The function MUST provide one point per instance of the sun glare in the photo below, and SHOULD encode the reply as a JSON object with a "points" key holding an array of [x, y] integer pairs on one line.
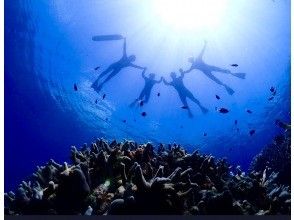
{"points": [[190, 14]]}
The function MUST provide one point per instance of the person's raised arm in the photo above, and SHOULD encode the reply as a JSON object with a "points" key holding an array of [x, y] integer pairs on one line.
{"points": [[165, 82], [202, 51], [159, 81], [137, 67], [182, 72], [125, 48], [187, 71], [143, 73]]}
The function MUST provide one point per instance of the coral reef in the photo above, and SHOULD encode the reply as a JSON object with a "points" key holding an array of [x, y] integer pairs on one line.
{"points": [[277, 157], [129, 178]]}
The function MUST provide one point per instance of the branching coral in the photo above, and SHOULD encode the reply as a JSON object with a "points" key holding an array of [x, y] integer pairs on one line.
{"points": [[129, 178]]}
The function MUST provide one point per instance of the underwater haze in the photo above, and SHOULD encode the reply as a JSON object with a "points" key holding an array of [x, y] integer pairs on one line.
{"points": [[50, 61]]}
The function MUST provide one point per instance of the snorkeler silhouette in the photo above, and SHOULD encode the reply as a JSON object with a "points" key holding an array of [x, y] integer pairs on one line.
{"points": [[183, 92], [115, 68], [149, 83], [199, 64]]}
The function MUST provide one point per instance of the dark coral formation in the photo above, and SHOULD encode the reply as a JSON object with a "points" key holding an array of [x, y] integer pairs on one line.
{"points": [[128, 178], [277, 156]]}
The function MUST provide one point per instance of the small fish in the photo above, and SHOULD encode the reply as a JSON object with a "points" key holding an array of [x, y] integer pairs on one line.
{"points": [[141, 103], [106, 119], [75, 87], [204, 134], [222, 110], [96, 68], [181, 126], [270, 98], [96, 101], [252, 132], [158, 94], [236, 122], [104, 95], [238, 130], [135, 120], [184, 107], [143, 114], [249, 111], [124, 121], [273, 91], [217, 97], [234, 65]]}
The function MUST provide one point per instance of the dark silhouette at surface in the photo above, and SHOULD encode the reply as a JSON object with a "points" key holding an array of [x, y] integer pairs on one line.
{"points": [[199, 64], [146, 91], [183, 92], [115, 68]]}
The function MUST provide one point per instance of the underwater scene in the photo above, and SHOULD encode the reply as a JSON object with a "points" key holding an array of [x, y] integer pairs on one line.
{"points": [[138, 107]]}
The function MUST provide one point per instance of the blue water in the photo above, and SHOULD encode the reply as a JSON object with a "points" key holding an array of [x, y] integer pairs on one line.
{"points": [[49, 47]]}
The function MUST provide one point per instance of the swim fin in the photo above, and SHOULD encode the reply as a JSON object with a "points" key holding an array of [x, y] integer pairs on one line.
{"points": [[229, 90], [133, 103], [239, 75], [204, 110], [97, 87], [190, 115], [107, 37]]}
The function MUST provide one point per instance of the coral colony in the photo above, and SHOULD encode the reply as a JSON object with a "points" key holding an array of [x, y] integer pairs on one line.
{"points": [[131, 178]]}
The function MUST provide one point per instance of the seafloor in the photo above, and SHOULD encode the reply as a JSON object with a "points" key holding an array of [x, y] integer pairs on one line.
{"points": [[128, 178]]}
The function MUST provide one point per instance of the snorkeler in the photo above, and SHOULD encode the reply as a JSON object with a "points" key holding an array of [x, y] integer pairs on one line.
{"points": [[183, 92], [149, 83], [199, 64], [115, 68]]}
